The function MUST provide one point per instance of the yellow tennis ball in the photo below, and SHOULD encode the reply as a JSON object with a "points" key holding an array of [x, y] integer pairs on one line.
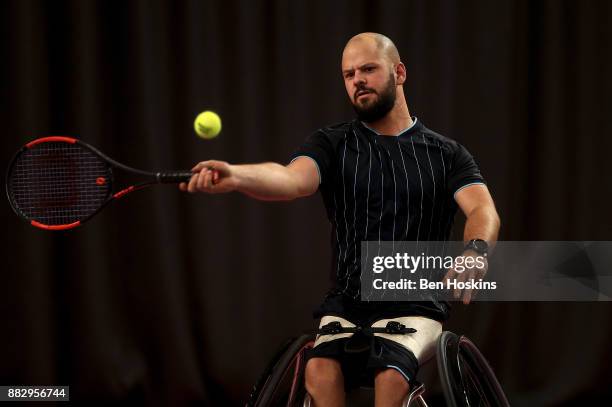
{"points": [[207, 125]]}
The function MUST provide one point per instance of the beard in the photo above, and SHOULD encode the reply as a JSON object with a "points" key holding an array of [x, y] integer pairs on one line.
{"points": [[377, 109]]}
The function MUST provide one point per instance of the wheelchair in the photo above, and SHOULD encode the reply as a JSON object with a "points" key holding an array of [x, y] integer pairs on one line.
{"points": [[465, 375]]}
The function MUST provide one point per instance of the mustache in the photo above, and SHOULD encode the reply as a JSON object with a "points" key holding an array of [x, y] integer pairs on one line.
{"points": [[362, 89]]}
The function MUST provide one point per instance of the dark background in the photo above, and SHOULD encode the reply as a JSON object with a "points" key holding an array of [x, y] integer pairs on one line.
{"points": [[167, 297]]}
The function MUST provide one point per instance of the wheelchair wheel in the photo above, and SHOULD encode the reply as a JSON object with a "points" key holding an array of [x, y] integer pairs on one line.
{"points": [[467, 379], [282, 383]]}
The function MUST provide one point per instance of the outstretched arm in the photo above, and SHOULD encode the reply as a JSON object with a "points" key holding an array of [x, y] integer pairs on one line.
{"points": [[266, 181]]}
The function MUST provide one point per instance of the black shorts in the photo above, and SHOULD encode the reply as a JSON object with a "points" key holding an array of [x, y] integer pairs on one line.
{"points": [[362, 356]]}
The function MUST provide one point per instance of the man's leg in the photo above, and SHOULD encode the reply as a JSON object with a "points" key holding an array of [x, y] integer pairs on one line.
{"points": [[324, 382], [390, 388], [405, 353]]}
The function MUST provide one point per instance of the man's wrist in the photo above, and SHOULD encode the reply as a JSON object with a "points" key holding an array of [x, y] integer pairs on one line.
{"points": [[471, 254], [237, 173]]}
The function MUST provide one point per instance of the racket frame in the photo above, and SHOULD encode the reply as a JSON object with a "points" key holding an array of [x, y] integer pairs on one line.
{"points": [[154, 178]]}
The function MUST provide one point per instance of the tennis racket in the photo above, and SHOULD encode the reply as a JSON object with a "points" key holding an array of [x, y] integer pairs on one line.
{"points": [[57, 183]]}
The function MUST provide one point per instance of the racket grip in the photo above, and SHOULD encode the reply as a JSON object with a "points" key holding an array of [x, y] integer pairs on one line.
{"points": [[173, 177]]}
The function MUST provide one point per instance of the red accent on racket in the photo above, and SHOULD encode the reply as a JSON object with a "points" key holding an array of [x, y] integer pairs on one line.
{"points": [[55, 227], [57, 183], [49, 139]]}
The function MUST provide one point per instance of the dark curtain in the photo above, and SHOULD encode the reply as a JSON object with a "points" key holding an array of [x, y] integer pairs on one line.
{"points": [[166, 298]]}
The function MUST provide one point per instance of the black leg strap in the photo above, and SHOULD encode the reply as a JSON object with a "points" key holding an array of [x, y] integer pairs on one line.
{"points": [[393, 327]]}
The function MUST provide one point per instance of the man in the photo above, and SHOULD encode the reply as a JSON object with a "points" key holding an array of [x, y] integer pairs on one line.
{"points": [[383, 177]]}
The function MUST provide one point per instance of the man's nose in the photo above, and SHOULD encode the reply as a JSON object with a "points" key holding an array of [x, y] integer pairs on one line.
{"points": [[358, 79]]}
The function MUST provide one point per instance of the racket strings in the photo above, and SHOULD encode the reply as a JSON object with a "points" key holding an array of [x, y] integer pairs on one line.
{"points": [[57, 183]]}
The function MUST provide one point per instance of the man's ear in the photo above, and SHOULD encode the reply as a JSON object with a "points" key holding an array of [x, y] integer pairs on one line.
{"points": [[400, 73]]}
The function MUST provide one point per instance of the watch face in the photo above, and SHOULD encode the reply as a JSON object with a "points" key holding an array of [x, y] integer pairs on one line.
{"points": [[480, 246]]}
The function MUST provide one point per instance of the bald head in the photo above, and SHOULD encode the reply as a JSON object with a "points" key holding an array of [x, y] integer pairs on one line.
{"points": [[373, 76], [374, 41]]}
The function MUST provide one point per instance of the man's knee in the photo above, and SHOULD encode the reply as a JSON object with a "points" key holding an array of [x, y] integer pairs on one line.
{"points": [[322, 373], [392, 379]]}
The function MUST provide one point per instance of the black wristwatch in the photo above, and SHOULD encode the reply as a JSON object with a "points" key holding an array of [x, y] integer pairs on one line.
{"points": [[478, 245]]}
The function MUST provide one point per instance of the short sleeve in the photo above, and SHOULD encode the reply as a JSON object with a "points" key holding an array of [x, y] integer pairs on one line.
{"points": [[463, 171], [319, 148]]}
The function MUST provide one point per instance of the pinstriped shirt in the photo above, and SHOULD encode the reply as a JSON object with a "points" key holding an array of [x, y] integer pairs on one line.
{"points": [[385, 188]]}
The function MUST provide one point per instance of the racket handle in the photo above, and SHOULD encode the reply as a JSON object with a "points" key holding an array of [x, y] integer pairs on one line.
{"points": [[173, 177]]}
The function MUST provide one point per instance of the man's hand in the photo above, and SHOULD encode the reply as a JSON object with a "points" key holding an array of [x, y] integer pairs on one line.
{"points": [[212, 177], [473, 269]]}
